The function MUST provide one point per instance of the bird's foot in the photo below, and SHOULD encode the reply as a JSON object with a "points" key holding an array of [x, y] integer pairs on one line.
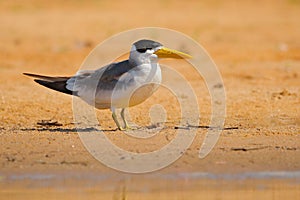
{"points": [[127, 128], [122, 129]]}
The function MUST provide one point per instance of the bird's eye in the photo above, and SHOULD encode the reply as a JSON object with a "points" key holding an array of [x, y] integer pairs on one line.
{"points": [[143, 50]]}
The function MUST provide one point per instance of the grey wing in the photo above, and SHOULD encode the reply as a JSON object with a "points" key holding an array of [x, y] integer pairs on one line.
{"points": [[86, 83], [113, 73]]}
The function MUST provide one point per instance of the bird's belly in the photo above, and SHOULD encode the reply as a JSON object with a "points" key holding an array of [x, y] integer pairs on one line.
{"points": [[125, 98], [142, 93]]}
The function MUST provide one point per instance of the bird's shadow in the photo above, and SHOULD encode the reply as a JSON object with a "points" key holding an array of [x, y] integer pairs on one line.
{"points": [[68, 130], [93, 129]]}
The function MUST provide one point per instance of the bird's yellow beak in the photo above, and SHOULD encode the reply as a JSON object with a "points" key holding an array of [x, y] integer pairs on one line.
{"points": [[170, 53]]}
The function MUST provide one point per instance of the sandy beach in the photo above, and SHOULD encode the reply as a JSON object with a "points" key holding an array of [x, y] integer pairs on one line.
{"points": [[256, 48]]}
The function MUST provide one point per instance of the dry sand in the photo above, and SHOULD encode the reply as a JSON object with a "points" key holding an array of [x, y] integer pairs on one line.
{"points": [[256, 47]]}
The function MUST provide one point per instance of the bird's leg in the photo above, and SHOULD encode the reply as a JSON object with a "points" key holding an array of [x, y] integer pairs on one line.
{"points": [[114, 116], [124, 120]]}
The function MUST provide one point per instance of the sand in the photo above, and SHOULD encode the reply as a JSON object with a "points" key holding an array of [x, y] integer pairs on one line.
{"points": [[256, 48]]}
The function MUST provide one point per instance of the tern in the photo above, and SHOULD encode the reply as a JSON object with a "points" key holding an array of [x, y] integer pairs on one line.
{"points": [[118, 85]]}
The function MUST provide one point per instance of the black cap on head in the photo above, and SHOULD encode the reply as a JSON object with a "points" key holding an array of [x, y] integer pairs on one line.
{"points": [[144, 45]]}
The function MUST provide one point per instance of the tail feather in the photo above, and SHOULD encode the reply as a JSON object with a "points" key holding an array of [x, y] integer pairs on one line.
{"points": [[47, 78], [54, 83]]}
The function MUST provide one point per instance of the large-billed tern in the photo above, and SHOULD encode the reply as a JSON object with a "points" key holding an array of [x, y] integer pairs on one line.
{"points": [[120, 84]]}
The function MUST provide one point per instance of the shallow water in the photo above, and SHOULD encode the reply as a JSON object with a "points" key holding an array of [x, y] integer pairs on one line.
{"points": [[187, 185], [175, 176], [71, 179]]}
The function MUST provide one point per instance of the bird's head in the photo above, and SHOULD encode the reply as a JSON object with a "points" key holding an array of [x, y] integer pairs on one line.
{"points": [[146, 51]]}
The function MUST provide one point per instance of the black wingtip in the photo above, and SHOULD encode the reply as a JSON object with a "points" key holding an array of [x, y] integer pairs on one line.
{"points": [[59, 86], [25, 73]]}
